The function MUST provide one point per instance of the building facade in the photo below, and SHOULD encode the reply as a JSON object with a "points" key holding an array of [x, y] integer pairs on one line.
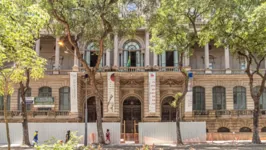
{"points": [[136, 85]]}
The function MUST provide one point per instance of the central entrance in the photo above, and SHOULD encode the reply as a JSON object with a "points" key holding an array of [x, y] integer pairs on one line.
{"points": [[131, 117]]}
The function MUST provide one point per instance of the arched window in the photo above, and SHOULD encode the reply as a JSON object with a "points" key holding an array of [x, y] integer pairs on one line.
{"points": [[218, 96], [262, 97], [168, 112], [132, 56], [223, 129], [27, 94], [239, 97], [2, 105], [245, 129], [45, 92], [263, 129], [64, 98], [198, 98]]}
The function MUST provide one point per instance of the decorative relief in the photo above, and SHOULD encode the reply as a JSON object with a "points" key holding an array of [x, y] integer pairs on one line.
{"points": [[171, 82], [223, 123], [131, 82]]}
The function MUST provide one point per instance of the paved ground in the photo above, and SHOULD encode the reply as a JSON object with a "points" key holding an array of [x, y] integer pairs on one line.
{"points": [[224, 146]]}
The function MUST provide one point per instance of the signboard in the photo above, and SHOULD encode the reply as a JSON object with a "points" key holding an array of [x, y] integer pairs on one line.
{"points": [[29, 100], [110, 92], [152, 92], [189, 95], [74, 91], [44, 101]]}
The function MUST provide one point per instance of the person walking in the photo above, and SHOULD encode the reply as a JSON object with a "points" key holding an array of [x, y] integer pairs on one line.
{"points": [[35, 138], [108, 141], [67, 136]]}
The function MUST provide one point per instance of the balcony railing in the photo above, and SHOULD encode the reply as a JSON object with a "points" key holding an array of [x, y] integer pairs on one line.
{"points": [[38, 113], [221, 113], [147, 69]]}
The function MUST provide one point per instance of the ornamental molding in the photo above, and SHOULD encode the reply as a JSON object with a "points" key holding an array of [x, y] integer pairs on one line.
{"points": [[170, 82], [131, 82]]}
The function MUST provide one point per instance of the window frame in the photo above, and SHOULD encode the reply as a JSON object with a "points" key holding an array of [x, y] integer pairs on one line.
{"points": [[219, 91], [242, 91], [61, 98], [199, 100]]}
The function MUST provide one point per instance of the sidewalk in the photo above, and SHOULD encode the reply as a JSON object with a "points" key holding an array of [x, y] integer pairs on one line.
{"points": [[228, 145]]}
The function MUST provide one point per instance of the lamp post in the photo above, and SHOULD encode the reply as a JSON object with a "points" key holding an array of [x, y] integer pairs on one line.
{"points": [[86, 112]]}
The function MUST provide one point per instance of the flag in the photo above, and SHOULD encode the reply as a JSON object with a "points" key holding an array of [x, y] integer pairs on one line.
{"points": [[129, 62]]}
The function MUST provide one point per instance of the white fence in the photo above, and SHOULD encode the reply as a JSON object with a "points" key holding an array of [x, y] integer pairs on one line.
{"points": [[57, 130], [165, 132]]}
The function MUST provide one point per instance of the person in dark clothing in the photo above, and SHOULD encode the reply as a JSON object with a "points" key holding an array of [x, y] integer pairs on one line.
{"points": [[35, 138], [67, 136]]}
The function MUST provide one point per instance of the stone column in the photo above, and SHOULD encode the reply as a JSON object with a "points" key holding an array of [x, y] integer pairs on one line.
{"points": [[164, 59], [155, 59], [56, 67], [227, 57], [108, 63], [147, 50], [186, 59], [206, 59], [116, 64], [125, 56], [76, 61], [38, 46]]}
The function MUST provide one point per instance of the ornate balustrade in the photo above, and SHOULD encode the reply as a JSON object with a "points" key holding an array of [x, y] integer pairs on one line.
{"points": [[228, 113], [146, 69], [37, 113]]}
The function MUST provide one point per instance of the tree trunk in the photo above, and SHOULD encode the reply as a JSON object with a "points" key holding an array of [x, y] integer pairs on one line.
{"points": [[5, 114], [98, 109], [26, 140], [178, 131], [256, 136]]}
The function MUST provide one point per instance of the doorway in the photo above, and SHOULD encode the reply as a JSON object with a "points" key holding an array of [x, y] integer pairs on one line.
{"points": [[168, 112], [92, 115], [131, 118]]}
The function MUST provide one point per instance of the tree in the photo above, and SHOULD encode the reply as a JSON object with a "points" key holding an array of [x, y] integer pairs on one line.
{"points": [[20, 23], [83, 22], [240, 25], [174, 27]]}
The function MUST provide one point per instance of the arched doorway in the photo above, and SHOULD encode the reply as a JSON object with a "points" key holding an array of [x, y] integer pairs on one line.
{"points": [[92, 109], [131, 113], [168, 112]]}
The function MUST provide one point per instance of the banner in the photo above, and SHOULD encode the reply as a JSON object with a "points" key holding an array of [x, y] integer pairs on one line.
{"points": [[110, 92], [152, 92], [74, 91], [189, 95]]}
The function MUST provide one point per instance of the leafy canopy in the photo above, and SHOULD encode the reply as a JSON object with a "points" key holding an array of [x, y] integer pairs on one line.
{"points": [[174, 26], [20, 23]]}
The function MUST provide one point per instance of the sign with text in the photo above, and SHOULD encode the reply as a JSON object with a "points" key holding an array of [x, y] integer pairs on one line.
{"points": [[110, 92], [74, 91], [152, 92]]}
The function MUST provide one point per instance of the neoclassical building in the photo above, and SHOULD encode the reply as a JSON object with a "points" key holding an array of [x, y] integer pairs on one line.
{"points": [[136, 85]]}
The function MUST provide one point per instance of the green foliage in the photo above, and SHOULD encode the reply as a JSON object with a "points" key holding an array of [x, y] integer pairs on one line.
{"points": [[174, 24], [20, 24], [54, 144], [238, 24], [91, 20]]}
